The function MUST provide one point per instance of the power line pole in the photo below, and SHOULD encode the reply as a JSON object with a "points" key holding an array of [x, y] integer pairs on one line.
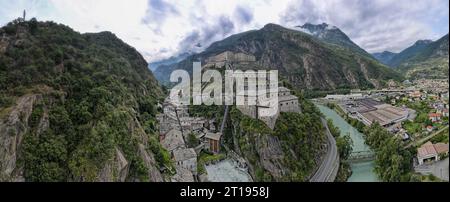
{"points": [[24, 14]]}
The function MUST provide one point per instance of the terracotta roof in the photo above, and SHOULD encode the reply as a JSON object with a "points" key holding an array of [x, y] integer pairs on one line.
{"points": [[434, 115], [426, 150], [441, 147], [430, 149]]}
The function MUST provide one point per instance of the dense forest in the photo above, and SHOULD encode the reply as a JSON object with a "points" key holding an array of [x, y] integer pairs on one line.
{"points": [[92, 110]]}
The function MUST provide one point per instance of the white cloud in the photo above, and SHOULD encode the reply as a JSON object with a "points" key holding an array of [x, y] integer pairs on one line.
{"points": [[162, 28], [375, 25]]}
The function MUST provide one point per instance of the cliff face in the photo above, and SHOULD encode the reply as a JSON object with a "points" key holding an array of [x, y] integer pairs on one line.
{"points": [[290, 152], [304, 60], [13, 128], [75, 107]]}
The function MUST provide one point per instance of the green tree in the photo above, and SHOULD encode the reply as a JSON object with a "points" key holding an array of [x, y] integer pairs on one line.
{"points": [[45, 157], [344, 145], [192, 140]]}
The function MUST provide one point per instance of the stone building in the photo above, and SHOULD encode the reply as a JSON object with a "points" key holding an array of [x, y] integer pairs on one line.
{"points": [[286, 103], [177, 116], [172, 140], [431, 152], [229, 57], [173, 112], [193, 124], [212, 142]]}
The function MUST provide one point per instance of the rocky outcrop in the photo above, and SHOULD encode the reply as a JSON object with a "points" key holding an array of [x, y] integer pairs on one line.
{"points": [[149, 161], [116, 170], [13, 127], [3, 46], [271, 155], [263, 152]]}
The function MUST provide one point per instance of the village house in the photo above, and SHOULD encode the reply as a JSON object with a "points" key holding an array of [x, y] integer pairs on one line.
{"points": [[213, 142], [172, 140], [415, 94], [193, 124], [186, 158], [434, 117], [431, 152], [445, 112], [172, 113]]}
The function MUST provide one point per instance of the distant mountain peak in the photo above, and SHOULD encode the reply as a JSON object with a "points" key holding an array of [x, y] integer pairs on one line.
{"points": [[331, 34], [387, 52], [271, 26], [384, 57], [318, 27]]}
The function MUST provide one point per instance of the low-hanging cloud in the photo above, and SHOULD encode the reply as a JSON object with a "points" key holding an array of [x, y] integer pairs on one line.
{"points": [[202, 37], [374, 25], [244, 15], [157, 12], [163, 28]]}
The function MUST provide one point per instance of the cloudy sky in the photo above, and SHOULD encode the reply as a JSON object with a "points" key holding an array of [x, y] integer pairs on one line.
{"points": [[163, 28]]}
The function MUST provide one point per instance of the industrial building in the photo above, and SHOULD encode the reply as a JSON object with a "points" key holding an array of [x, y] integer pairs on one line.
{"points": [[369, 111]]}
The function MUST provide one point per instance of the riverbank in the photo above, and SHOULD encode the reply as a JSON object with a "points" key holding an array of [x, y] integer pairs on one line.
{"points": [[363, 171]]}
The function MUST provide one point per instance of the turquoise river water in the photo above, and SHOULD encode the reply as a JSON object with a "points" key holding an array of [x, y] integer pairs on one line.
{"points": [[362, 171]]}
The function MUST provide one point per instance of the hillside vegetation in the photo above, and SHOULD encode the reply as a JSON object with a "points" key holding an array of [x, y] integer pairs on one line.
{"points": [[75, 107]]}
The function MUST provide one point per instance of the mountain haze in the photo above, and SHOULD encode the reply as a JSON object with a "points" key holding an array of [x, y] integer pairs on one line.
{"points": [[174, 59], [384, 57]]}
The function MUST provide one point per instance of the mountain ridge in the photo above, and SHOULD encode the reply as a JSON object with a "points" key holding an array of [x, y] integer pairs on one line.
{"points": [[302, 59], [430, 62], [408, 53], [333, 35]]}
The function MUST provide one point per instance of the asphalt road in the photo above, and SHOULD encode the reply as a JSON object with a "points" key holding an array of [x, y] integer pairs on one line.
{"points": [[327, 166], [438, 169]]}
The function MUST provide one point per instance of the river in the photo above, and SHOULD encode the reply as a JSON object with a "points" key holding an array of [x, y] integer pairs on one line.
{"points": [[362, 171]]}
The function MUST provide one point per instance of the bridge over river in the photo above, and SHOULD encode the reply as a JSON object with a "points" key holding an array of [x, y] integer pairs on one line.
{"points": [[361, 159], [361, 156]]}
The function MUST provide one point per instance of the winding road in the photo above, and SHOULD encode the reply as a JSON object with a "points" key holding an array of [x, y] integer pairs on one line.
{"points": [[329, 167]]}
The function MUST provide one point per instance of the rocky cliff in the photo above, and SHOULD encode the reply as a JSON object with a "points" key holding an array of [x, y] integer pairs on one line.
{"points": [[290, 152]]}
